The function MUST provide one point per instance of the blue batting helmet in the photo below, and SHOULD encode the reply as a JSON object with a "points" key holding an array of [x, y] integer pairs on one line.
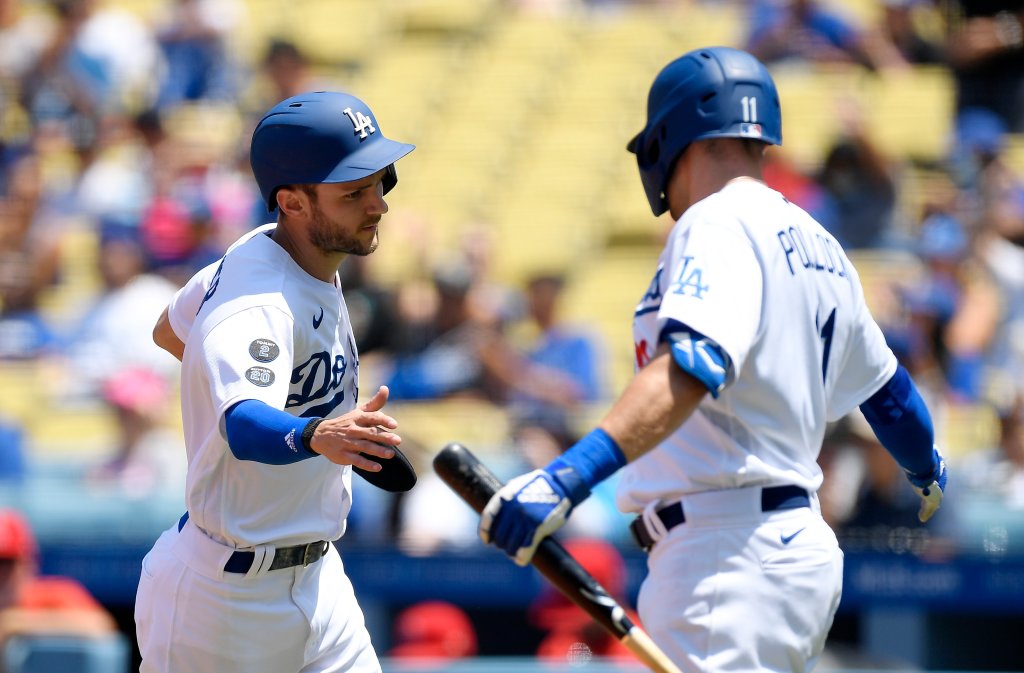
{"points": [[320, 137], [716, 92]]}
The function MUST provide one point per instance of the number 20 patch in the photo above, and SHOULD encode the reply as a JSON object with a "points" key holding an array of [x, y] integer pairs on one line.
{"points": [[259, 376]]}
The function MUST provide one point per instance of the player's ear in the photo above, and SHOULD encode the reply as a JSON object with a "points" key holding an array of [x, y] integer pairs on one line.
{"points": [[291, 201]]}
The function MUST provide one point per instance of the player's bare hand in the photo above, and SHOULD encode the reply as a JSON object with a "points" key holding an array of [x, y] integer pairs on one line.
{"points": [[359, 436]]}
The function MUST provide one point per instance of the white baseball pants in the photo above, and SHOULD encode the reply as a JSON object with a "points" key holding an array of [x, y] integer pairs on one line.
{"points": [[192, 617], [737, 589]]}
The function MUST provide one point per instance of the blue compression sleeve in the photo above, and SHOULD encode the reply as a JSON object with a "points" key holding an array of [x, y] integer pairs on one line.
{"points": [[259, 432], [587, 463], [901, 421]]}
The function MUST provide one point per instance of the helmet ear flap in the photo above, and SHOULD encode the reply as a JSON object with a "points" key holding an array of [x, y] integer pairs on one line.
{"points": [[651, 149], [390, 178]]}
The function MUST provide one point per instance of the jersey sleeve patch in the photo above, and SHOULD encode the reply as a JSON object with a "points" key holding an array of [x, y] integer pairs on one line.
{"points": [[260, 376], [264, 350]]}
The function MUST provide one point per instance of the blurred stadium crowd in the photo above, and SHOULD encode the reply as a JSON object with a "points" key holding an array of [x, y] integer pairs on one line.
{"points": [[497, 308]]}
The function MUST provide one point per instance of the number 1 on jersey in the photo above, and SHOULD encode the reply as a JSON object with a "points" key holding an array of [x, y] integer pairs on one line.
{"points": [[825, 332]]}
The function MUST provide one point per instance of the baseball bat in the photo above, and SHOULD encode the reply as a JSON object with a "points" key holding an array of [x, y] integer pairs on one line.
{"points": [[474, 483]]}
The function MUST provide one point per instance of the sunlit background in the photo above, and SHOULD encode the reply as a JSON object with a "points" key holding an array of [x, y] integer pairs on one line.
{"points": [[124, 131]]}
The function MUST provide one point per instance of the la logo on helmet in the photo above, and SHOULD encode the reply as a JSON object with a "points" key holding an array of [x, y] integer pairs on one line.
{"points": [[360, 122]]}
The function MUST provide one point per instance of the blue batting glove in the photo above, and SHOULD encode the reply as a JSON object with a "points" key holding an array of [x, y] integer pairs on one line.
{"points": [[529, 508], [532, 506], [930, 486]]}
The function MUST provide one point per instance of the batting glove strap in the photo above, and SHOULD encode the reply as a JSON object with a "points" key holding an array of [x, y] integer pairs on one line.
{"points": [[930, 486]]}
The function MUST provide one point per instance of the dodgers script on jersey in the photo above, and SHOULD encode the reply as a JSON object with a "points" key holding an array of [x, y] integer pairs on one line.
{"points": [[281, 338], [758, 276]]}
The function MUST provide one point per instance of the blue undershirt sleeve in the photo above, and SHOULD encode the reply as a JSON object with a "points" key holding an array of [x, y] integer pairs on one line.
{"points": [[901, 421], [257, 431]]}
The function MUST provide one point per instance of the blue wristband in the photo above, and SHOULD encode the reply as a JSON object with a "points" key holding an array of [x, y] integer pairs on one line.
{"points": [[586, 464]]}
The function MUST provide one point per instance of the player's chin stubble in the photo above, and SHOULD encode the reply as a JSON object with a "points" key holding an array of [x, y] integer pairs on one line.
{"points": [[326, 237]]}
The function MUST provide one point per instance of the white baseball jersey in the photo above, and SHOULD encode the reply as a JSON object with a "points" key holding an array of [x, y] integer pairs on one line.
{"points": [[257, 326], [758, 276]]}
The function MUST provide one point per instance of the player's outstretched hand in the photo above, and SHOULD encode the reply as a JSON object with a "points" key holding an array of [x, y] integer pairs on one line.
{"points": [[359, 436], [523, 512], [930, 486]]}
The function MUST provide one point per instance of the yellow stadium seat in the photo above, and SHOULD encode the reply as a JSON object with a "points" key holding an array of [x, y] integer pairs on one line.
{"points": [[964, 428]]}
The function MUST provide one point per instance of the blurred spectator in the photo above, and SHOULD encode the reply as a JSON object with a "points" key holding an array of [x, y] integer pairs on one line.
{"points": [[289, 71], [12, 451], [986, 53], [952, 311], [860, 191], [571, 635], [975, 156], [371, 308], [99, 61], [122, 157], [560, 347], [194, 36], [25, 31], [783, 176], [455, 349], [906, 24], [433, 630], [432, 518], [31, 604], [115, 333], [804, 30], [490, 302], [29, 261], [999, 471], [866, 495], [463, 353], [149, 458], [993, 199]]}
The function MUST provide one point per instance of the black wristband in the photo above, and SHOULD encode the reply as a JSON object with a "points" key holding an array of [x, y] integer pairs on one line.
{"points": [[307, 434]]}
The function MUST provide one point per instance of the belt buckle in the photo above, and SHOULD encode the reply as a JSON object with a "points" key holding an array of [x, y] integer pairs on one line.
{"points": [[314, 551], [305, 554]]}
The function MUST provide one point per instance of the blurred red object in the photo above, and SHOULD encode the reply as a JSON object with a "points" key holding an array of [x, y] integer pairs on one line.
{"points": [[433, 630]]}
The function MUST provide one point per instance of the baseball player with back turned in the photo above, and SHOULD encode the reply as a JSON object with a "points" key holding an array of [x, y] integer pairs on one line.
{"points": [[248, 580], [752, 335]]}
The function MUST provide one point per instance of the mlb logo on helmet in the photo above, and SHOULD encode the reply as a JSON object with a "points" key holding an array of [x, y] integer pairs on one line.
{"points": [[750, 130]]}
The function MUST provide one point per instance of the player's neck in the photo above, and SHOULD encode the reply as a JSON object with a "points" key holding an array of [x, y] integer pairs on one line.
{"points": [[699, 179], [309, 258]]}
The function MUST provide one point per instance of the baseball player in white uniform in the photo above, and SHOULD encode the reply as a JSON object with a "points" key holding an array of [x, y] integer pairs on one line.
{"points": [[752, 334], [248, 579]]}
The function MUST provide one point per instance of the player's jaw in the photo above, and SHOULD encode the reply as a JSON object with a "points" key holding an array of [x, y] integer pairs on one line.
{"points": [[332, 237]]}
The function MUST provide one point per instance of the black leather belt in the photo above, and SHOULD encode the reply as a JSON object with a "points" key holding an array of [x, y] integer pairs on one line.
{"points": [[284, 557], [772, 498]]}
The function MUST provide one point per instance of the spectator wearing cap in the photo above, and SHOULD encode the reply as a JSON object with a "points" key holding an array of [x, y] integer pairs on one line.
{"points": [[31, 604]]}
